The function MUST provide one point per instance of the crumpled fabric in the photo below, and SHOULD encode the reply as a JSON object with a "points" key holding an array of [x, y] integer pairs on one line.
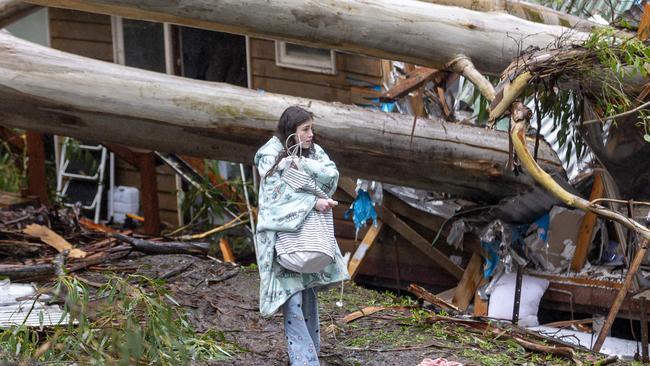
{"points": [[281, 208], [439, 362]]}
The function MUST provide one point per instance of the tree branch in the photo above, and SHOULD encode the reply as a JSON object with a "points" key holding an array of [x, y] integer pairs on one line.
{"points": [[520, 115]]}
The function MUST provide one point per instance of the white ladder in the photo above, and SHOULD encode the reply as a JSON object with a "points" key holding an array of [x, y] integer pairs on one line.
{"points": [[82, 180]]}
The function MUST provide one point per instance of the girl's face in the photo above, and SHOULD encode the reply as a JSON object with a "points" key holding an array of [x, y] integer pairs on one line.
{"points": [[305, 134]]}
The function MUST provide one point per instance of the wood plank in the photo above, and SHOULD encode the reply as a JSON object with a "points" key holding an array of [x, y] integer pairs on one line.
{"points": [[347, 245], [427, 296], [413, 80], [169, 217], [268, 68], [97, 50], [262, 49], [368, 240], [421, 243], [447, 295], [65, 29], [480, 305], [590, 282], [167, 201], [345, 62], [149, 193], [620, 297], [359, 64], [302, 89], [161, 170], [469, 283], [471, 242], [587, 227], [346, 229], [36, 167], [78, 16], [339, 211], [166, 183]]}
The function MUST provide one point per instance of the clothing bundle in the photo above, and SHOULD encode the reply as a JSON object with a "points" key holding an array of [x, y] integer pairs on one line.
{"points": [[312, 247], [284, 208]]}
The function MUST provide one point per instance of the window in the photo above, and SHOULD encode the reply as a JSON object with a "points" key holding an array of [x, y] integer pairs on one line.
{"points": [[305, 58]]}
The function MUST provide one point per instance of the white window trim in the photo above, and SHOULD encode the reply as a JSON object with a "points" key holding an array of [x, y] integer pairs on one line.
{"points": [[301, 63]]}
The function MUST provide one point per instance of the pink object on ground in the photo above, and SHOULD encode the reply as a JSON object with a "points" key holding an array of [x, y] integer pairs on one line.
{"points": [[439, 362]]}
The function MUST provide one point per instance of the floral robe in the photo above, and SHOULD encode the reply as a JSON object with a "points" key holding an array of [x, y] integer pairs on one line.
{"points": [[281, 208]]}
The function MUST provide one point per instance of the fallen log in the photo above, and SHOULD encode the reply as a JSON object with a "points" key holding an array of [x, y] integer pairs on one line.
{"points": [[18, 273], [417, 32], [45, 90], [524, 10], [153, 247]]}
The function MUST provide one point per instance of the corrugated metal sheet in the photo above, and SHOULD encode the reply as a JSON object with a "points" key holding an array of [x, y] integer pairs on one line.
{"points": [[31, 313]]}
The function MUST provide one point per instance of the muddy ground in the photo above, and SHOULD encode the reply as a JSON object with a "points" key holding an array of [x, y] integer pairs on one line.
{"points": [[219, 296]]}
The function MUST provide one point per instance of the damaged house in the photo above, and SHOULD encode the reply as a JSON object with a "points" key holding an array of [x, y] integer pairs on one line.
{"points": [[458, 208]]}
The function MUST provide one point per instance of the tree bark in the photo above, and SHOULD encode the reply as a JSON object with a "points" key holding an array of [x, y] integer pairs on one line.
{"points": [[412, 31], [13, 10], [524, 10], [45, 90]]}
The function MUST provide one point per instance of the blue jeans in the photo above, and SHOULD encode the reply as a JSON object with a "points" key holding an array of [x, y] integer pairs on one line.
{"points": [[302, 327]]}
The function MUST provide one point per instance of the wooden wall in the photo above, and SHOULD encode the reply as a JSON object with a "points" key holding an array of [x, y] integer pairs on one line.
{"points": [[331, 88], [90, 35], [81, 33]]}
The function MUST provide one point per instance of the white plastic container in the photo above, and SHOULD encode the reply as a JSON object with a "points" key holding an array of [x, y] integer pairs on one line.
{"points": [[125, 200]]}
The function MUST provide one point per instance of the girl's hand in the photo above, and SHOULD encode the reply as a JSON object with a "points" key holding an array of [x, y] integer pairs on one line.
{"points": [[332, 203], [322, 205]]}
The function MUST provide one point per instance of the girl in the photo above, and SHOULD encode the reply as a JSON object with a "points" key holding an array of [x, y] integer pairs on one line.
{"points": [[283, 209]]}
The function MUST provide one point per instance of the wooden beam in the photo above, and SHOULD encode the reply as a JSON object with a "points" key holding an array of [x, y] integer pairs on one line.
{"points": [[421, 243], [469, 282], [149, 185], [368, 240], [389, 218], [480, 306], [413, 80], [36, 178], [425, 295], [620, 297], [125, 153], [587, 226]]}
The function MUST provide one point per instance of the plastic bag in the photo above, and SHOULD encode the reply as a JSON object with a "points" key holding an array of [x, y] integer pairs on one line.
{"points": [[362, 210]]}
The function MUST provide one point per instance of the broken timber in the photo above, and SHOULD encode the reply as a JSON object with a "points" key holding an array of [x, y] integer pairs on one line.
{"points": [[389, 218], [51, 91]]}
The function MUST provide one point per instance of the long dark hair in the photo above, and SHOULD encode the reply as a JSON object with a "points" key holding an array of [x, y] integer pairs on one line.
{"points": [[290, 119]]}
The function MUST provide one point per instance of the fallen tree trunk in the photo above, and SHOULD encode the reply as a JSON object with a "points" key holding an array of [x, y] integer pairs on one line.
{"points": [[13, 10], [412, 31], [524, 10], [55, 92]]}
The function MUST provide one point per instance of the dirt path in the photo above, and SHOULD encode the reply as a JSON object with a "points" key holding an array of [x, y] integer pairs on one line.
{"points": [[219, 296]]}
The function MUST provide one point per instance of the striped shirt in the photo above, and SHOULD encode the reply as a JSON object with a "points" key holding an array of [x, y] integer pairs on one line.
{"points": [[317, 231]]}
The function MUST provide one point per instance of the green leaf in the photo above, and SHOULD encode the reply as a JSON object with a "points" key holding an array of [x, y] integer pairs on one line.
{"points": [[646, 137]]}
